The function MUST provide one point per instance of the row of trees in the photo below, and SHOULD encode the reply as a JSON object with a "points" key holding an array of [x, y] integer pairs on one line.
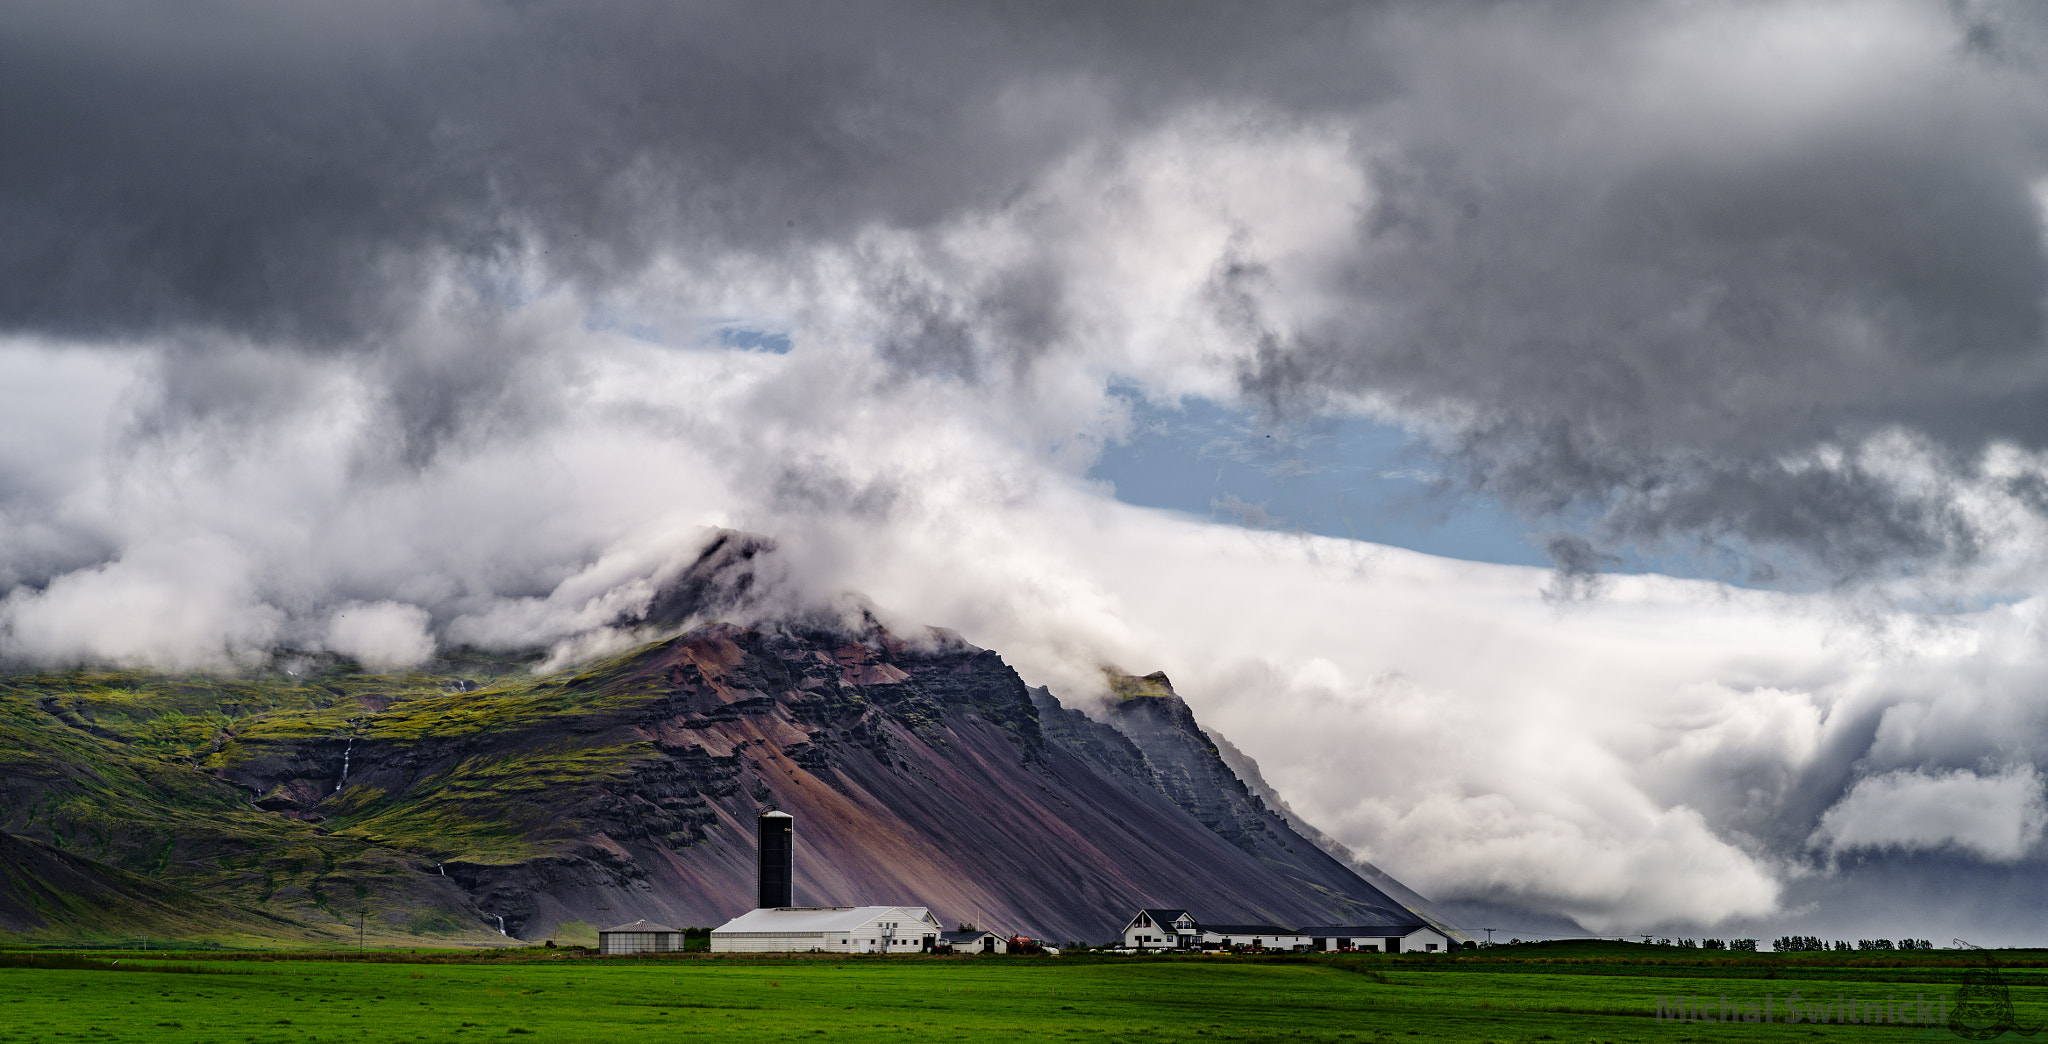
{"points": [[1815, 944], [1712, 944]]}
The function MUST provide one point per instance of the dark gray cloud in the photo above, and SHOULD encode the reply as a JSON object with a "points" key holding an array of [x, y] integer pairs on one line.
{"points": [[1655, 312], [296, 169], [1649, 266]]}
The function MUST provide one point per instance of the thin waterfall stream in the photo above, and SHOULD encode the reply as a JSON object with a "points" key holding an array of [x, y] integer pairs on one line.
{"points": [[344, 764]]}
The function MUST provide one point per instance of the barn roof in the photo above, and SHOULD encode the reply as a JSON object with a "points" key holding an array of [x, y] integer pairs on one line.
{"points": [[640, 926], [817, 918], [1390, 926], [1248, 929]]}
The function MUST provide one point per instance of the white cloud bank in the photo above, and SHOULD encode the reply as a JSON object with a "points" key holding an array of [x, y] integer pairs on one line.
{"points": [[1504, 235], [1661, 755], [1997, 818], [381, 634]]}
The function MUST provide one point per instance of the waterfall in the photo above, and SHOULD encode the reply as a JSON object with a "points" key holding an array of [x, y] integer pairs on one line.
{"points": [[344, 764], [501, 927]]}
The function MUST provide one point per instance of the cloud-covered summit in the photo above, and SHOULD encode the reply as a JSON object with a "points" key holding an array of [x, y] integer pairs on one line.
{"points": [[382, 327]]}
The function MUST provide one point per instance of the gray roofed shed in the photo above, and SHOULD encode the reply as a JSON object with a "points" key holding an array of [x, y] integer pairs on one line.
{"points": [[640, 937]]}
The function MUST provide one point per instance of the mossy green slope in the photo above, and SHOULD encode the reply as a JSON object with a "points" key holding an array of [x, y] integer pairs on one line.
{"points": [[129, 770]]}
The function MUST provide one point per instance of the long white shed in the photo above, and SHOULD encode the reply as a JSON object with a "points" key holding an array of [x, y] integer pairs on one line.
{"points": [[829, 929]]}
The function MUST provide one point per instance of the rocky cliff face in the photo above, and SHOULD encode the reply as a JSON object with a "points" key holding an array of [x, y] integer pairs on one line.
{"points": [[919, 771]]}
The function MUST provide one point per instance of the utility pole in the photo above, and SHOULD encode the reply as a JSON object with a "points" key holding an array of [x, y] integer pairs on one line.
{"points": [[1489, 934], [362, 917]]}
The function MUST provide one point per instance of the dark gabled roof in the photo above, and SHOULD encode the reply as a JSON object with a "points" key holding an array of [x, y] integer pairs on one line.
{"points": [[640, 926], [1248, 929], [1381, 928], [1162, 917], [968, 935]]}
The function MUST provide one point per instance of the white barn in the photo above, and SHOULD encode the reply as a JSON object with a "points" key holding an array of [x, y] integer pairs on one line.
{"points": [[1383, 937], [829, 929], [640, 937], [1264, 936]]}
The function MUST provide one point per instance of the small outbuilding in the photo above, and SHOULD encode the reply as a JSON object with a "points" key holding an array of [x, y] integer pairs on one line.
{"points": [[640, 937], [974, 940]]}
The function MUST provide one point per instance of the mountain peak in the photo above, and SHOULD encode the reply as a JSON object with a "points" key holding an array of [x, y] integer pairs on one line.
{"points": [[919, 770], [1124, 686]]}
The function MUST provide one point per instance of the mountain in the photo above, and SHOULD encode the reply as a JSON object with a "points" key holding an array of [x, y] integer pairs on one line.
{"points": [[43, 889], [314, 798]]}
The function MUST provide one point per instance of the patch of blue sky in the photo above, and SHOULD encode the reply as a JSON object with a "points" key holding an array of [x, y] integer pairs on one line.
{"points": [[1355, 478], [750, 339], [739, 335], [1349, 477], [611, 319]]}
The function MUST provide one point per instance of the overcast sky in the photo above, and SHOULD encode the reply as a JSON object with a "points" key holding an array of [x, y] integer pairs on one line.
{"points": [[1700, 345]]}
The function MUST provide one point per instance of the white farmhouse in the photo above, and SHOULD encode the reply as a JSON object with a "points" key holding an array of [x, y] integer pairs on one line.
{"points": [[1162, 929], [829, 929]]}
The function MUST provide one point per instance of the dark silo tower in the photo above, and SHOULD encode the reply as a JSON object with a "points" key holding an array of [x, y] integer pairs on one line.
{"points": [[778, 859]]}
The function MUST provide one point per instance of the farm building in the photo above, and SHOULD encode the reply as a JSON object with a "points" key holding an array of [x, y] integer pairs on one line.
{"points": [[974, 940], [778, 925], [829, 929], [1386, 937], [1162, 930], [640, 937], [777, 860], [1176, 929], [1264, 936]]}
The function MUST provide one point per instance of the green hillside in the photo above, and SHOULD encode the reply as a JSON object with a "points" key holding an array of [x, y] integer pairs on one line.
{"points": [[125, 774]]}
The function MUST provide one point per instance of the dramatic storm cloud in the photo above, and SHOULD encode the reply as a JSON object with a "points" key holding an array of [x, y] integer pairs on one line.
{"points": [[383, 328]]}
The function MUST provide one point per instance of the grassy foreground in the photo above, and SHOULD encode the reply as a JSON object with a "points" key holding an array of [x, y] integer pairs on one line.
{"points": [[1550, 993]]}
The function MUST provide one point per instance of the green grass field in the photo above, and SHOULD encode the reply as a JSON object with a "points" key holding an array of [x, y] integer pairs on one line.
{"points": [[1565, 992]]}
